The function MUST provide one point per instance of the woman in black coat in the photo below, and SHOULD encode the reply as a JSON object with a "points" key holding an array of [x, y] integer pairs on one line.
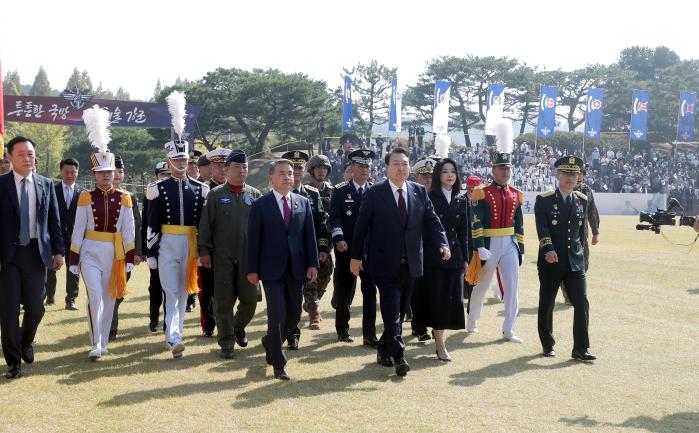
{"points": [[439, 300]]}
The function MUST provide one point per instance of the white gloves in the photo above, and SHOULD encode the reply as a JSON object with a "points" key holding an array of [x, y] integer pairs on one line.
{"points": [[484, 253], [129, 267], [74, 270], [152, 262]]}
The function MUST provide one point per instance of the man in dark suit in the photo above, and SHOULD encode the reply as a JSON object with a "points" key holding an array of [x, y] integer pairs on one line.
{"points": [[30, 242], [67, 193], [282, 253], [561, 216], [397, 214]]}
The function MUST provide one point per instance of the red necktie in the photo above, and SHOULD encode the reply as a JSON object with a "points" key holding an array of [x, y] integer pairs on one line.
{"points": [[287, 213], [401, 206]]}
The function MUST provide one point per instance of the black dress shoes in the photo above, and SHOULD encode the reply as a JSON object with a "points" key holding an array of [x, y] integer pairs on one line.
{"points": [[583, 356], [28, 354], [371, 341], [385, 360], [112, 336], [153, 327], [227, 353], [402, 367], [548, 352], [71, 306], [293, 343], [345, 338], [240, 337], [268, 355], [14, 372], [281, 374], [207, 334]]}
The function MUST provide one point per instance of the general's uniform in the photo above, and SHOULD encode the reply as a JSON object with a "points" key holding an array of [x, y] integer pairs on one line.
{"points": [[560, 226], [173, 215], [344, 211], [102, 245], [498, 227]]}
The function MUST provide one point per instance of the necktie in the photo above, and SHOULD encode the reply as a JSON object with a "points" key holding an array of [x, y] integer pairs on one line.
{"points": [[67, 196], [402, 207], [361, 191], [24, 215], [568, 201], [287, 213]]}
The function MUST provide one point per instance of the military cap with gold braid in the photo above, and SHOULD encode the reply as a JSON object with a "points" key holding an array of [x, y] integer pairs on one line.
{"points": [[424, 166], [569, 164], [218, 155], [297, 157]]}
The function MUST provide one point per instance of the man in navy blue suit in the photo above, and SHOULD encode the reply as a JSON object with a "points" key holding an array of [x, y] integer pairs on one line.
{"points": [[397, 214], [30, 242], [282, 253]]}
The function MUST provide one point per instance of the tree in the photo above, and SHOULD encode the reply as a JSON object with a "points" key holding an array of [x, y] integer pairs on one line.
{"points": [[80, 80], [158, 90], [41, 86], [122, 95], [255, 104], [11, 84], [49, 141], [645, 61], [372, 83]]}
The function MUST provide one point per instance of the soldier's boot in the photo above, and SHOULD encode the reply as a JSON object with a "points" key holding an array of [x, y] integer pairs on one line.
{"points": [[314, 317]]}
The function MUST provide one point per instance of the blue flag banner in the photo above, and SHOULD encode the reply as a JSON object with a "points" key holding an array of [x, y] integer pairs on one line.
{"points": [[394, 117], [440, 116], [639, 115], [347, 118], [593, 113], [496, 95], [547, 112], [685, 117]]}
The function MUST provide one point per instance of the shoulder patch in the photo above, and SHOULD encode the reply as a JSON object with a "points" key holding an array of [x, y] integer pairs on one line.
{"points": [[580, 195], [547, 193], [152, 191], [310, 188], [341, 184], [84, 199]]}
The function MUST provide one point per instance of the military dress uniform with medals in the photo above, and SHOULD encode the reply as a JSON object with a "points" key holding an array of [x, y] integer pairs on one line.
{"points": [[560, 226], [173, 215], [102, 247], [497, 227], [344, 211]]}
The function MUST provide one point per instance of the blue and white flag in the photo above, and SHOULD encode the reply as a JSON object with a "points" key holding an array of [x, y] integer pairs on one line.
{"points": [[547, 112], [440, 116], [639, 115], [496, 94], [593, 113], [347, 118], [394, 117], [685, 118]]}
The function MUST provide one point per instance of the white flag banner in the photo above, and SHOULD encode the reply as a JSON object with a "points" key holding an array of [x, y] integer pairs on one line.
{"points": [[440, 116]]}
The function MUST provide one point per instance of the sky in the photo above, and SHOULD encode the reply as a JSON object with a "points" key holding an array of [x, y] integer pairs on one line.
{"points": [[132, 44]]}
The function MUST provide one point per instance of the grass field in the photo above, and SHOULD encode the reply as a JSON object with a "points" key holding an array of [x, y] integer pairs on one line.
{"points": [[644, 305]]}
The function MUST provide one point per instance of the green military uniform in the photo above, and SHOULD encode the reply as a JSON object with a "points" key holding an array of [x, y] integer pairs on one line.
{"points": [[592, 221], [223, 236], [560, 226]]}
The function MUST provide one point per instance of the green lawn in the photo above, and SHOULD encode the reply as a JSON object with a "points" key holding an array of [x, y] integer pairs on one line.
{"points": [[644, 306]]}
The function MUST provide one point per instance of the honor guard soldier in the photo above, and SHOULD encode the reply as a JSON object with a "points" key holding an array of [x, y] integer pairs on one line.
{"points": [[319, 168], [102, 244], [561, 216], [498, 236], [155, 290], [344, 211], [320, 224], [174, 208], [217, 159], [223, 251]]}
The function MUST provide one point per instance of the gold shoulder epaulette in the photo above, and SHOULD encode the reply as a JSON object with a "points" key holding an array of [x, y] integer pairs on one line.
{"points": [[84, 199], [547, 193], [126, 199], [478, 193], [580, 195]]}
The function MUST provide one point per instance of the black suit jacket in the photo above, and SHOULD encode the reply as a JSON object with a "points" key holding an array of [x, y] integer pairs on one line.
{"points": [[48, 225], [456, 220], [67, 210], [271, 248], [390, 239]]}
